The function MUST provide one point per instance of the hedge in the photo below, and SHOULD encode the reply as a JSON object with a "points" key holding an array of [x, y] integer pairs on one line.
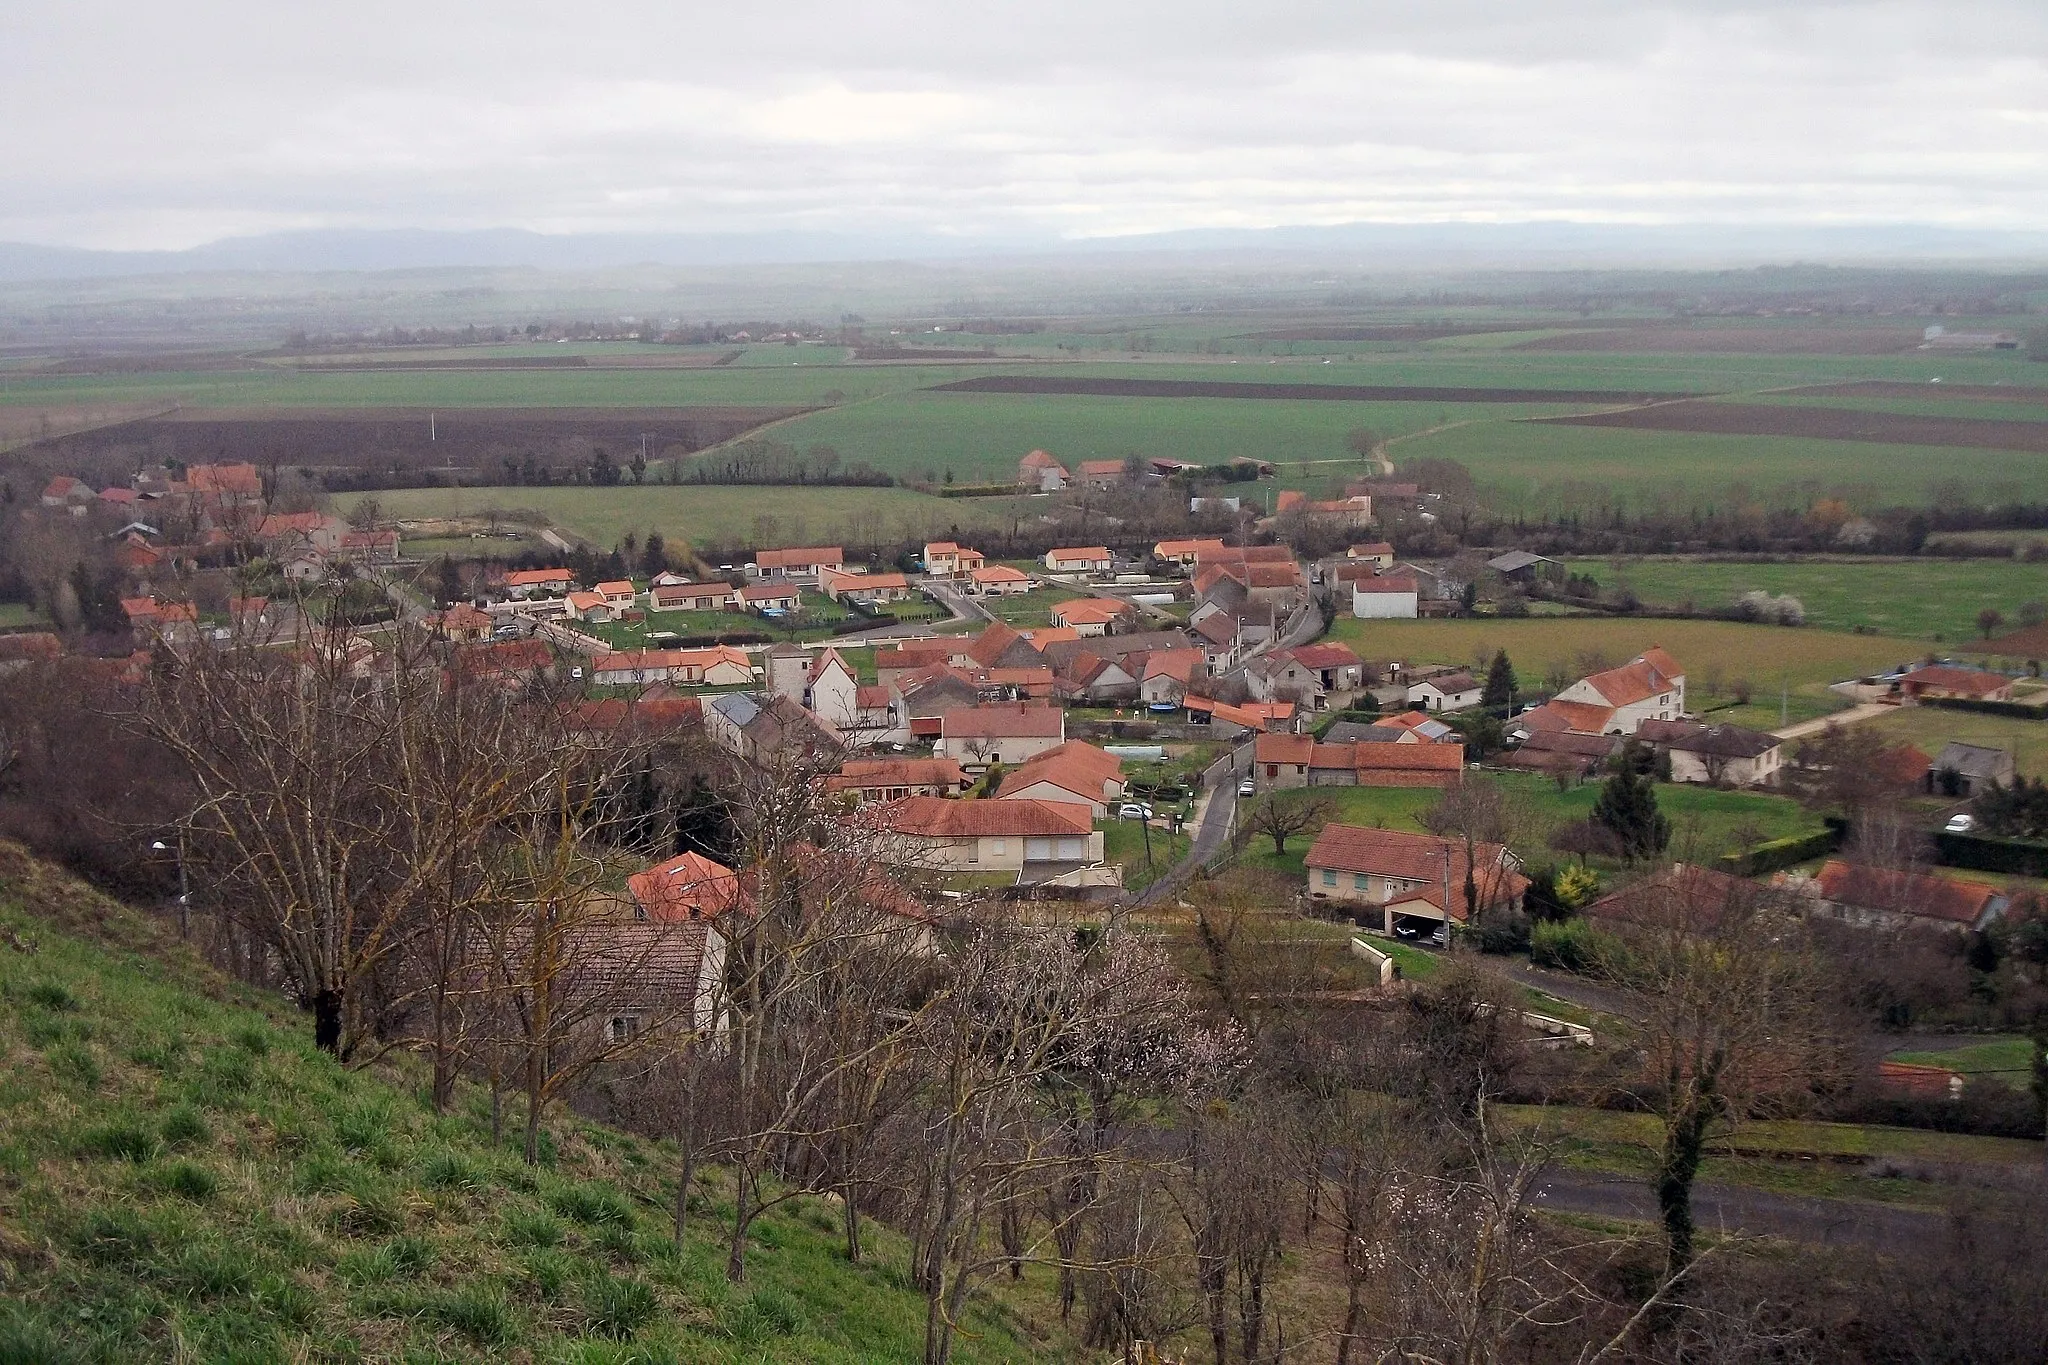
{"points": [[1989, 853], [2014, 709], [976, 490], [1778, 854], [880, 618]]}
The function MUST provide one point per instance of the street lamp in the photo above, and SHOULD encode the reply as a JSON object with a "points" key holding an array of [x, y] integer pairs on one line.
{"points": [[184, 891]]}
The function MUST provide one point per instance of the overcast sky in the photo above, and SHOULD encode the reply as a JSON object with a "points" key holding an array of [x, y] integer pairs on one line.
{"points": [[137, 124]]}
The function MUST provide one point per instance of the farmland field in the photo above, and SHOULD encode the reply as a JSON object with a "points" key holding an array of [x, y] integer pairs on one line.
{"points": [[1921, 599], [1804, 660], [711, 515]]}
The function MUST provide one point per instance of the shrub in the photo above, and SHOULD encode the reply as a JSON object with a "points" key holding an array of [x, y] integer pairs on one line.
{"points": [[187, 1180], [1776, 854], [1577, 885], [1572, 945], [614, 1306]]}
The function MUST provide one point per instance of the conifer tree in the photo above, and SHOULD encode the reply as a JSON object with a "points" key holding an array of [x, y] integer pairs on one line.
{"points": [[1627, 807], [1501, 683]]}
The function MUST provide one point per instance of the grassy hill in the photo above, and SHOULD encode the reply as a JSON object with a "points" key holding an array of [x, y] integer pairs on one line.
{"points": [[182, 1177]]}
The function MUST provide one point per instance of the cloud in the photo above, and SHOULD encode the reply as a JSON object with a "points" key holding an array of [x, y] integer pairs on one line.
{"points": [[165, 125]]}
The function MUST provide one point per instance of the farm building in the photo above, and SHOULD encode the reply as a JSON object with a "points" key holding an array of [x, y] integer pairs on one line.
{"points": [[1966, 769], [1038, 841], [1946, 680], [1446, 692], [1389, 597], [1715, 754], [1041, 473]]}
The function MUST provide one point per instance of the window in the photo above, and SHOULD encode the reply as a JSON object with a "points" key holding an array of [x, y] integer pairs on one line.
{"points": [[1272, 770], [1358, 881], [622, 1028], [1001, 847], [1329, 877]]}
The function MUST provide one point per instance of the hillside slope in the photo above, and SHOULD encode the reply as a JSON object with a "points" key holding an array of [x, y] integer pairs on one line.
{"points": [[182, 1177]]}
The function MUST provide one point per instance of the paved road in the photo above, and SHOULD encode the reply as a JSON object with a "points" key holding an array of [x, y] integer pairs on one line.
{"points": [[1213, 816], [1733, 1208], [1574, 990]]}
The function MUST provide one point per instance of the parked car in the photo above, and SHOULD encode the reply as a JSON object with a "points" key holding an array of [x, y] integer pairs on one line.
{"points": [[1960, 824], [1131, 810], [1247, 788]]}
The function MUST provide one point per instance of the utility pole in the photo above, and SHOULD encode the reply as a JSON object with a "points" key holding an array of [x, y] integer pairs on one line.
{"points": [[1784, 698]]}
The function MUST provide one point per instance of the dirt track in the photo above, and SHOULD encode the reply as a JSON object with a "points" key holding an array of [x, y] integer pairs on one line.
{"points": [[1826, 424], [1328, 393]]}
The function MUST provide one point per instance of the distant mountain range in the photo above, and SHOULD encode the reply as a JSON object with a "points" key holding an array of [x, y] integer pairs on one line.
{"points": [[1372, 245]]}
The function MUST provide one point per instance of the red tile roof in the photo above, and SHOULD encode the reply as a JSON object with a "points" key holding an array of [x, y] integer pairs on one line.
{"points": [[800, 559], [1091, 611], [939, 817], [1952, 900], [1272, 748], [1084, 553], [1645, 676], [1006, 720], [689, 887], [1322, 656], [857, 773], [1416, 858], [1947, 678], [536, 578]]}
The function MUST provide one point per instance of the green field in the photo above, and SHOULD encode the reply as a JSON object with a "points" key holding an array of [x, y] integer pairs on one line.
{"points": [[1920, 599], [879, 412], [1930, 727], [715, 516], [1804, 660], [1704, 822], [2009, 1059]]}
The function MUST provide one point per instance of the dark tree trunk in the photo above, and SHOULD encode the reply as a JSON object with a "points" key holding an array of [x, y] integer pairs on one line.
{"points": [[1676, 1169], [327, 1021]]}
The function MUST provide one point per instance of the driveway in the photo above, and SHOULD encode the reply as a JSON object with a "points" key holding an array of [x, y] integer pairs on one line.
{"points": [[1735, 1208], [1213, 816], [1867, 711]]}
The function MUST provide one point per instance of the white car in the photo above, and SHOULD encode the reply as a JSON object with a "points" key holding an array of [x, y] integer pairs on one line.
{"points": [[1247, 788], [1131, 810], [1960, 824]]}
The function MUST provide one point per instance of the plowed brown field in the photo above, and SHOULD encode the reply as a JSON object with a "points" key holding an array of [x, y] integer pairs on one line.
{"points": [[1826, 424]]}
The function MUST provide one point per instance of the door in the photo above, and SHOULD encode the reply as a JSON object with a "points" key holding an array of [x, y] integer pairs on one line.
{"points": [[1038, 850]]}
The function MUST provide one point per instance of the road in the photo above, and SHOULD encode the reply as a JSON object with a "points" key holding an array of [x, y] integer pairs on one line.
{"points": [[1733, 1208], [1213, 818], [1867, 711]]}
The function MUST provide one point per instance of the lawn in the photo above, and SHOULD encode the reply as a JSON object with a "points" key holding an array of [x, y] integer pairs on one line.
{"points": [[1033, 608], [18, 614], [2010, 1059], [1123, 843], [1920, 599], [1704, 821], [1803, 660], [1930, 727], [714, 516]]}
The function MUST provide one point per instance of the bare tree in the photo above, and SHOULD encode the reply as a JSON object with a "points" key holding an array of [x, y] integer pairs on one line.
{"points": [[1280, 819], [1478, 811]]}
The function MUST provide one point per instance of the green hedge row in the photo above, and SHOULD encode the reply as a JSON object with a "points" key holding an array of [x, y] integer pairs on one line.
{"points": [[976, 490], [1989, 853], [1778, 854], [2016, 710]]}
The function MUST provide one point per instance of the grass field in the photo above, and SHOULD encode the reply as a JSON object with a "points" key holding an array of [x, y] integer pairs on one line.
{"points": [[187, 1179], [1123, 843], [1930, 727], [1804, 660], [1704, 822], [2009, 1059], [1921, 599], [880, 413], [711, 516]]}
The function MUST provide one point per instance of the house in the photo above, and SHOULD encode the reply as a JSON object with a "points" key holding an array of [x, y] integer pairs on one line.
{"points": [[1087, 677], [539, 582], [1407, 765], [1562, 717], [288, 533], [1075, 772], [461, 624], [68, 493], [1102, 473], [1419, 726], [798, 563], [1354, 510], [173, 622], [867, 589], [1035, 841], [1281, 761], [591, 607], [778, 596], [619, 594], [1719, 755], [1266, 582], [1081, 559], [1945, 681], [136, 554], [1168, 673], [1008, 733], [1386, 597], [1092, 616], [998, 580], [1233, 718], [631, 977], [650, 714], [945, 559], [1974, 768], [1410, 883], [997, 646], [504, 662], [686, 596], [370, 547], [909, 656], [1184, 552], [1333, 674], [715, 666], [758, 727], [1517, 566], [1650, 686], [1446, 692], [1041, 473], [1891, 897], [688, 887], [1377, 553], [892, 779], [832, 690], [121, 499], [1564, 752]]}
